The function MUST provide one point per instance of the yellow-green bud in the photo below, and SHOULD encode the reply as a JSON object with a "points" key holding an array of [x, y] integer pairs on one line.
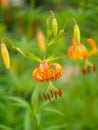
{"points": [[76, 34], [5, 55], [49, 32], [54, 26]]}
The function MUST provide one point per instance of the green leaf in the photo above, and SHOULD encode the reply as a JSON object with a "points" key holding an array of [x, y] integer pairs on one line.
{"points": [[34, 99], [50, 57], [53, 110], [27, 121], [38, 117], [22, 102], [43, 105], [5, 127], [55, 58], [32, 56], [57, 127]]}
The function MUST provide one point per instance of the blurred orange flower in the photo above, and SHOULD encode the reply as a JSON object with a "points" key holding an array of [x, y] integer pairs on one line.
{"points": [[41, 41], [5, 3], [80, 52], [46, 73]]}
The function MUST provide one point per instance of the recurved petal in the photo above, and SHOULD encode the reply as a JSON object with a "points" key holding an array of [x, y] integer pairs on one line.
{"points": [[84, 51], [94, 47], [74, 53], [57, 71], [78, 52], [36, 74], [91, 42], [71, 53]]}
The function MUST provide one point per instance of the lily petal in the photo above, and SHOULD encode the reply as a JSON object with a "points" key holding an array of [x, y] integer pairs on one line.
{"points": [[78, 52], [91, 42], [93, 45]]}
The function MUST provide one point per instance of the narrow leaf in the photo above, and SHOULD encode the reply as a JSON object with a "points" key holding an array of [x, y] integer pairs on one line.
{"points": [[55, 58], [27, 121], [18, 100], [57, 127], [53, 110], [33, 57], [38, 117], [34, 99], [5, 127]]}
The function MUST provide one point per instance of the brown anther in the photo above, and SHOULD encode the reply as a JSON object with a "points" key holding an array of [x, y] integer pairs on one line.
{"points": [[89, 69], [55, 94], [94, 68], [83, 71], [48, 97], [60, 92], [45, 96], [51, 92]]}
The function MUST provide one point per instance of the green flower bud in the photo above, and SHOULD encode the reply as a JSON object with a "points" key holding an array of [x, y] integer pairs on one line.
{"points": [[76, 34], [5, 55], [54, 26]]}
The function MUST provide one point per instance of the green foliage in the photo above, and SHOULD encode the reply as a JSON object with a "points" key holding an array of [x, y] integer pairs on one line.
{"points": [[21, 104]]}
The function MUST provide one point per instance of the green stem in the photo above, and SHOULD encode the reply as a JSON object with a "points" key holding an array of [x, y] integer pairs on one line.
{"points": [[88, 63], [31, 9], [67, 21], [52, 86], [4, 39]]}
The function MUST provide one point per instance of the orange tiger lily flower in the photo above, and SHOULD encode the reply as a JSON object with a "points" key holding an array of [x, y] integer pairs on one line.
{"points": [[80, 52], [46, 73]]}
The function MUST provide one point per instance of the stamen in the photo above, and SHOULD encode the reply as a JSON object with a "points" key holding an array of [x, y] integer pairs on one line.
{"points": [[44, 95], [51, 92], [55, 94], [94, 68], [89, 69], [83, 71], [48, 97], [60, 92]]}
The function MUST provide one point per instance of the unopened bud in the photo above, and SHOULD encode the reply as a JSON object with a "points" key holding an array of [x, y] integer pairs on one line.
{"points": [[49, 32], [54, 26], [5, 55], [41, 41], [76, 34]]}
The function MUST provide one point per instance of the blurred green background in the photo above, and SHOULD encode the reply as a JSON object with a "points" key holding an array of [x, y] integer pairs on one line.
{"points": [[21, 103]]}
